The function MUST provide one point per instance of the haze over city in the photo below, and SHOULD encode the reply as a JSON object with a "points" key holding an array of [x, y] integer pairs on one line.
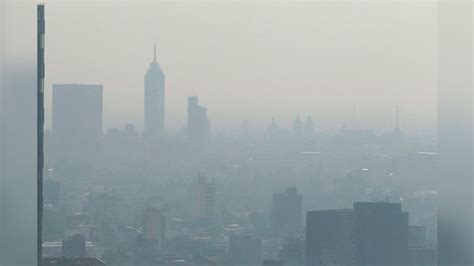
{"points": [[236, 133], [253, 61]]}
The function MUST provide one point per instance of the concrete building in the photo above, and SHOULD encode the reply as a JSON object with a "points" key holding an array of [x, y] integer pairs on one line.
{"points": [[154, 227], [373, 233], [287, 211], [205, 198], [381, 233], [330, 238]]}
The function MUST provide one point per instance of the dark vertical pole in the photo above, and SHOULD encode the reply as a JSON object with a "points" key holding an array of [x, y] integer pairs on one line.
{"points": [[40, 126]]}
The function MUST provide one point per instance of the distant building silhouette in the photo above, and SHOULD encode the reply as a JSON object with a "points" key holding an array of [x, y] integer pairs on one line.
{"points": [[309, 126], [206, 198], [154, 227], [287, 211], [154, 100], [273, 131], [348, 189], [77, 120], [298, 127], [199, 126]]}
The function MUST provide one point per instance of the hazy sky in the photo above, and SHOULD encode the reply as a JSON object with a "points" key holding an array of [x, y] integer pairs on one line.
{"points": [[253, 60]]}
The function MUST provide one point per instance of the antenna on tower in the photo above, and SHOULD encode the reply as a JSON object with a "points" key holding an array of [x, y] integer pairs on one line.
{"points": [[154, 50]]}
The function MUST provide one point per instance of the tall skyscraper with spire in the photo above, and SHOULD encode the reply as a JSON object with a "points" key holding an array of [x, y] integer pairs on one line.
{"points": [[154, 100]]}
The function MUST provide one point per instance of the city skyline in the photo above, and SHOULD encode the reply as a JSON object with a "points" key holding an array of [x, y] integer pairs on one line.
{"points": [[203, 69], [310, 143]]}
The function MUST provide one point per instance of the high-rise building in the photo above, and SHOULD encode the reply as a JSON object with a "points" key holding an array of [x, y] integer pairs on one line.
{"points": [[287, 211], [20, 165], [154, 227], [154, 100], [297, 127], [309, 126], [199, 126], [381, 233], [206, 198], [77, 120], [373, 233], [330, 238]]}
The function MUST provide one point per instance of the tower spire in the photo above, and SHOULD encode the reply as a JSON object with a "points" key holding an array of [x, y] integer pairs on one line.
{"points": [[154, 51]]}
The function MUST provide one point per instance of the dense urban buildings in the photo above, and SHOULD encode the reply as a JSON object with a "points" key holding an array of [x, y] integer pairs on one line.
{"points": [[154, 101], [120, 192]]}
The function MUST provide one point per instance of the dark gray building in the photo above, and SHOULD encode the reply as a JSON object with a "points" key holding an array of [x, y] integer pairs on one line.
{"points": [[154, 100], [287, 210], [381, 233], [373, 233], [199, 126], [330, 238], [77, 120]]}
